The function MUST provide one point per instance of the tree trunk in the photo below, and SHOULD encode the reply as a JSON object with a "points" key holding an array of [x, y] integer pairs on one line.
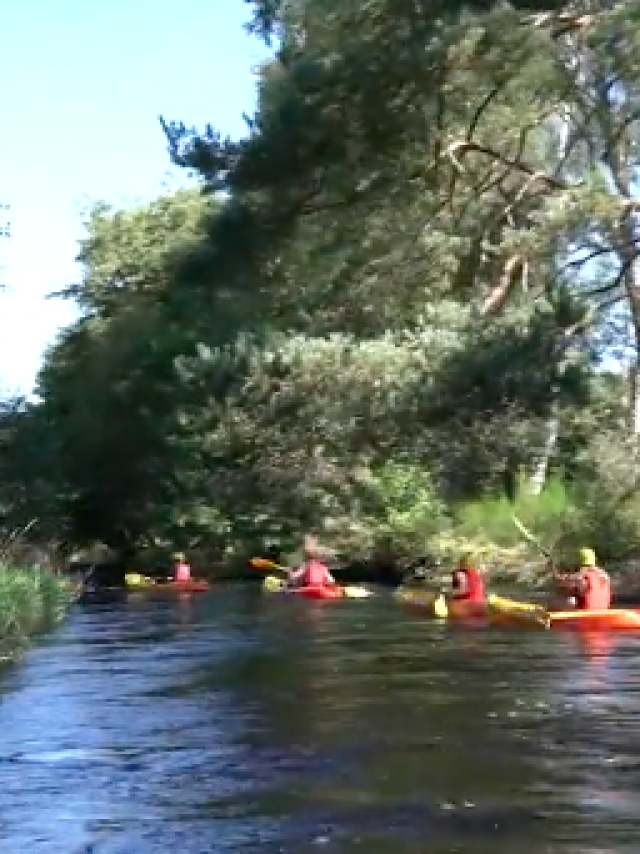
{"points": [[541, 470], [634, 396]]}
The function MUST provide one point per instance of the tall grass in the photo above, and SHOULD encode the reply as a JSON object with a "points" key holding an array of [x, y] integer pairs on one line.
{"points": [[30, 600], [549, 515]]}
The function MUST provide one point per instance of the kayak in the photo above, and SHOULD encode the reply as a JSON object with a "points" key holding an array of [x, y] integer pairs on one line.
{"points": [[502, 611], [612, 619], [143, 584], [510, 612], [437, 606], [273, 584]]}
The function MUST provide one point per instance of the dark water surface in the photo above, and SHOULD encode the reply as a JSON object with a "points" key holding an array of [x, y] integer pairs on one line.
{"points": [[236, 723]]}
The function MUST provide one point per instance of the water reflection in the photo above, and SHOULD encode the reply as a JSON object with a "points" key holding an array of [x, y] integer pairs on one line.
{"points": [[234, 722]]}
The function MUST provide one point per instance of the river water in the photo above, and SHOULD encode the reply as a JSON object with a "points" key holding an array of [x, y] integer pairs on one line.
{"points": [[234, 722]]}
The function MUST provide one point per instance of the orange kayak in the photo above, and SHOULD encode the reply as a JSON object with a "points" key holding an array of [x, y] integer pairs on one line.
{"points": [[612, 619]]}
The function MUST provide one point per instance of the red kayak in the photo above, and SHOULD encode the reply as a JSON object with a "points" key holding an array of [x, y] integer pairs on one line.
{"points": [[318, 591]]}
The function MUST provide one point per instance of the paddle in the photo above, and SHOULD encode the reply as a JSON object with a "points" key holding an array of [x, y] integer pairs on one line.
{"points": [[526, 533], [262, 564]]}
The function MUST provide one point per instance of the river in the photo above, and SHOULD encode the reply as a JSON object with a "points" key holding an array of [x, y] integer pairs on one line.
{"points": [[234, 722]]}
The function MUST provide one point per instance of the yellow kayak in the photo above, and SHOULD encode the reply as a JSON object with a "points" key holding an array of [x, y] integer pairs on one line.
{"points": [[502, 611], [497, 610]]}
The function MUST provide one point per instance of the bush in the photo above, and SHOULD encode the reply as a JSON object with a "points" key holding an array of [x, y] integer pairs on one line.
{"points": [[395, 511], [489, 521], [30, 600]]}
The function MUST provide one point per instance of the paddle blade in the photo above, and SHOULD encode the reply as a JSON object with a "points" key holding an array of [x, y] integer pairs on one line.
{"points": [[440, 608], [271, 584], [356, 592], [263, 564]]}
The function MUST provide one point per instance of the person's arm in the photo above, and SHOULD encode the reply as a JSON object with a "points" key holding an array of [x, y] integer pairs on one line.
{"points": [[582, 585], [295, 576], [566, 582], [459, 582], [329, 578]]}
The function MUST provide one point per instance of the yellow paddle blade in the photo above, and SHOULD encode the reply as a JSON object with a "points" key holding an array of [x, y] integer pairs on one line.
{"points": [[352, 591], [271, 584], [134, 579], [440, 608]]}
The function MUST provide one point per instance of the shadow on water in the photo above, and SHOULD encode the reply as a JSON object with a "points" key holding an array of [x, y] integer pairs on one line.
{"points": [[233, 722]]}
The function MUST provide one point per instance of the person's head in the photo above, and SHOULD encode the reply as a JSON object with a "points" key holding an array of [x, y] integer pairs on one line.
{"points": [[467, 561], [179, 557], [311, 548], [587, 558]]}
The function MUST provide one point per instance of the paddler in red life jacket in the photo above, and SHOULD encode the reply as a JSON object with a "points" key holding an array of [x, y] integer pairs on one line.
{"points": [[312, 573], [181, 569], [467, 582], [588, 587]]}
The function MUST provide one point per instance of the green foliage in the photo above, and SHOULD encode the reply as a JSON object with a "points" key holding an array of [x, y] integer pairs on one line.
{"points": [[401, 512], [422, 250], [490, 520], [30, 600]]}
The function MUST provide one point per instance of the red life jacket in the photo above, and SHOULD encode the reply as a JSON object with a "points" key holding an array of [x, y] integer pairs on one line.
{"points": [[472, 590], [316, 574], [595, 594]]}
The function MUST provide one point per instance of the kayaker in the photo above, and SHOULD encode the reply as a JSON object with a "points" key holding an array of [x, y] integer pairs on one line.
{"points": [[181, 570], [313, 572], [588, 587], [467, 582]]}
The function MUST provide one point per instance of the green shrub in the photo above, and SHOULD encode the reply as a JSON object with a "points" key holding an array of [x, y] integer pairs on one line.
{"points": [[29, 601], [489, 521], [397, 511]]}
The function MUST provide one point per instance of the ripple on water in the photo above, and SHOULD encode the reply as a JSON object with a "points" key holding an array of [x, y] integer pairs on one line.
{"points": [[235, 723]]}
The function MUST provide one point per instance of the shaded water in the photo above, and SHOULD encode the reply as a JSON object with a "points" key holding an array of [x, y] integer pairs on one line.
{"points": [[196, 725]]}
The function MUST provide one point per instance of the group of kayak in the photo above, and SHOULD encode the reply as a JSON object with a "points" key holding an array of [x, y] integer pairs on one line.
{"points": [[582, 597], [585, 588]]}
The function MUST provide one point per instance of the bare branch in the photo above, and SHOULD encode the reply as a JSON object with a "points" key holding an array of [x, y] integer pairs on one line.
{"points": [[484, 104], [460, 148], [500, 292]]}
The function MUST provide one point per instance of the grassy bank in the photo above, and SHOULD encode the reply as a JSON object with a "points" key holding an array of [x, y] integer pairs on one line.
{"points": [[31, 600]]}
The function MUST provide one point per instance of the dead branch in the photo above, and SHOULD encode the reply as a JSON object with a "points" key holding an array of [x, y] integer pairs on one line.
{"points": [[561, 23], [499, 294], [460, 148]]}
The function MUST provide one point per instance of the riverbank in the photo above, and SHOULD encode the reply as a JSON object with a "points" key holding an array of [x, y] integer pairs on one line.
{"points": [[31, 600]]}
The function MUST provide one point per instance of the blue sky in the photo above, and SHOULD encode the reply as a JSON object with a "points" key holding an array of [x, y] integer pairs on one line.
{"points": [[83, 85]]}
